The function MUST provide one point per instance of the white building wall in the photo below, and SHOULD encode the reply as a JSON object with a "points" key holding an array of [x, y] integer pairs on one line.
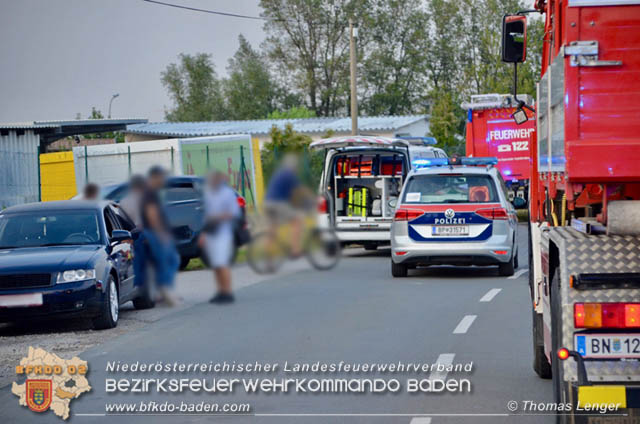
{"points": [[19, 168]]}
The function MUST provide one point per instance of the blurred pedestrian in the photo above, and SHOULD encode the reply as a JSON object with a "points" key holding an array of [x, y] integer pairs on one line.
{"points": [[280, 201], [91, 191], [157, 235], [131, 204], [221, 214]]}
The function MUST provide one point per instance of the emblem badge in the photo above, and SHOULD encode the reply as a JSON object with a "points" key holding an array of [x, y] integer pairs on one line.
{"points": [[449, 213], [39, 394]]}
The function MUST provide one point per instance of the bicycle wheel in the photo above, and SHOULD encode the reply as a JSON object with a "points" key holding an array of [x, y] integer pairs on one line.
{"points": [[265, 253], [323, 249]]}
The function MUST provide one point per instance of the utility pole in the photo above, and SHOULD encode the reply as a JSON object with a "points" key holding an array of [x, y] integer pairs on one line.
{"points": [[353, 33]]}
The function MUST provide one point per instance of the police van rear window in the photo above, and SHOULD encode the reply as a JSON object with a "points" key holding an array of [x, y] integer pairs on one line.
{"points": [[432, 189]]}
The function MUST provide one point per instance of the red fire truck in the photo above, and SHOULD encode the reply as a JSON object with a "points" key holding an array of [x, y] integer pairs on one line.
{"points": [[492, 132], [584, 201]]}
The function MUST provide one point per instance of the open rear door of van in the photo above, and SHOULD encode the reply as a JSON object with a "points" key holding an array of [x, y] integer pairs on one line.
{"points": [[356, 141]]}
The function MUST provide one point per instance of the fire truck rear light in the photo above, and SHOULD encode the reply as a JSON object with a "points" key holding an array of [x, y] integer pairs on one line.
{"points": [[632, 315], [407, 214], [563, 354], [493, 213], [578, 315], [606, 315], [592, 315], [500, 252]]}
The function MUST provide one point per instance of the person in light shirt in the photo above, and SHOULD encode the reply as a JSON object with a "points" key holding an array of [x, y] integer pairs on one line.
{"points": [[221, 214]]}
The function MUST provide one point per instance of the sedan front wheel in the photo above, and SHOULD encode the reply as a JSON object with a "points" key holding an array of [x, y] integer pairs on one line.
{"points": [[108, 317]]}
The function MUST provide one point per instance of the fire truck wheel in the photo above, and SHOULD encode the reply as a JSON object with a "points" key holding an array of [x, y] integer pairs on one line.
{"points": [[398, 270], [541, 364], [560, 394]]}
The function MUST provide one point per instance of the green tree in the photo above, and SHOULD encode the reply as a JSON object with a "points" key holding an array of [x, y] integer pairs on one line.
{"points": [[250, 91], [118, 136], [194, 88], [296, 112], [285, 141], [308, 41], [393, 70], [445, 123]]}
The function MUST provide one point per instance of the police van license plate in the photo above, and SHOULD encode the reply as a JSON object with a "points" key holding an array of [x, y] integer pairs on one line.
{"points": [[18, 300], [450, 230], [608, 345]]}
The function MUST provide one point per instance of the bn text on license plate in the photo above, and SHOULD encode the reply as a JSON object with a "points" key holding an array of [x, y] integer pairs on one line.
{"points": [[608, 345], [450, 230]]}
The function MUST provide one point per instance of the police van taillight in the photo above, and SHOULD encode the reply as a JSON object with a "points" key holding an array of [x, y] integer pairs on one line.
{"points": [[407, 214], [606, 315], [493, 213]]}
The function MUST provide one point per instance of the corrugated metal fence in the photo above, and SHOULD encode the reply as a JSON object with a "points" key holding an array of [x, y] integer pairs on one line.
{"points": [[19, 169]]}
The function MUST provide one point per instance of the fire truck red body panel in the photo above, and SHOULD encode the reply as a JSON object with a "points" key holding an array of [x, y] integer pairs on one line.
{"points": [[492, 132]]}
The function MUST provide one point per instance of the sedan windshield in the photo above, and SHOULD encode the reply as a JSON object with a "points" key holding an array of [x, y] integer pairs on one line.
{"points": [[33, 229], [450, 189]]}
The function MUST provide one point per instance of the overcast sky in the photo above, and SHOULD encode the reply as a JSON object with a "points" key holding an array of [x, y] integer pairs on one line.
{"points": [[61, 57]]}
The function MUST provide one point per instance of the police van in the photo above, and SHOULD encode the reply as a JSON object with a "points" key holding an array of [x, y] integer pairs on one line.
{"points": [[361, 182]]}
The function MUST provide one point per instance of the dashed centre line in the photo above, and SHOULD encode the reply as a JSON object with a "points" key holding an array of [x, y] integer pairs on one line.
{"points": [[445, 359], [490, 295], [464, 325], [517, 274], [420, 420]]}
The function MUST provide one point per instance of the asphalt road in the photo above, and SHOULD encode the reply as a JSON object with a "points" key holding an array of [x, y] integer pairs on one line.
{"points": [[356, 313]]}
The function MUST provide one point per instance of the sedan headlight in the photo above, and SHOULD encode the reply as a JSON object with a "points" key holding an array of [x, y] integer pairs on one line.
{"points": [[73, 275]]}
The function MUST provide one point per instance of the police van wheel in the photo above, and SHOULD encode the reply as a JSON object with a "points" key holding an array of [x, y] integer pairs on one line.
{"points": [[398, 270], [508, 269]]}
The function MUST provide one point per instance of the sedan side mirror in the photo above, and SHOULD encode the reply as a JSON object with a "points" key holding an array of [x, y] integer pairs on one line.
{"points": [[119, 236], [514, 38]]}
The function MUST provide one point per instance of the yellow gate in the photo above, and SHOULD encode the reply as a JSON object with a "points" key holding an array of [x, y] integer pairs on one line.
{"points": [[57, 176]]}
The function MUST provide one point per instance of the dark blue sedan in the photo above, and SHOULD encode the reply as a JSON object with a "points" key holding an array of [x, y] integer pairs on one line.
{"points": [[68, 258]]}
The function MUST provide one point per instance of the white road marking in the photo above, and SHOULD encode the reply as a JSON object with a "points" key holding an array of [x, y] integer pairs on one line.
{"points": [[517, 274], [420, 420], [444, 359], [464, 325], [490, 295]]}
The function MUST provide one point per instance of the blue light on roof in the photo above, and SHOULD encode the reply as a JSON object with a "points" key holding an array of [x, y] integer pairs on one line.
{"points": [[425, 163], [455, 161]]}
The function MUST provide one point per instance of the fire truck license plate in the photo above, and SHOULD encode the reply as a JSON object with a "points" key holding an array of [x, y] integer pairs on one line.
{"points": [[608, 345], [450, 230]]}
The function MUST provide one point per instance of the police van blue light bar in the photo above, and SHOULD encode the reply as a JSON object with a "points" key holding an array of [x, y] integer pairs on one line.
{"points": [[419, 141], [425, 163], [473, 161], [479, 161]]}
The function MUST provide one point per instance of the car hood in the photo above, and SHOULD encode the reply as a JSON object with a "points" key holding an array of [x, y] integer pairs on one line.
{"points": [[46, 259]]}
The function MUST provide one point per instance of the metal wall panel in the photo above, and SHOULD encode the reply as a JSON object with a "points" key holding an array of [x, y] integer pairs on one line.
{"points": [[19, 168]]}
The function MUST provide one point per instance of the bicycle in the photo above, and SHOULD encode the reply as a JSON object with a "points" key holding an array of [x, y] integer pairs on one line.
{"points": [[268, 250]]}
